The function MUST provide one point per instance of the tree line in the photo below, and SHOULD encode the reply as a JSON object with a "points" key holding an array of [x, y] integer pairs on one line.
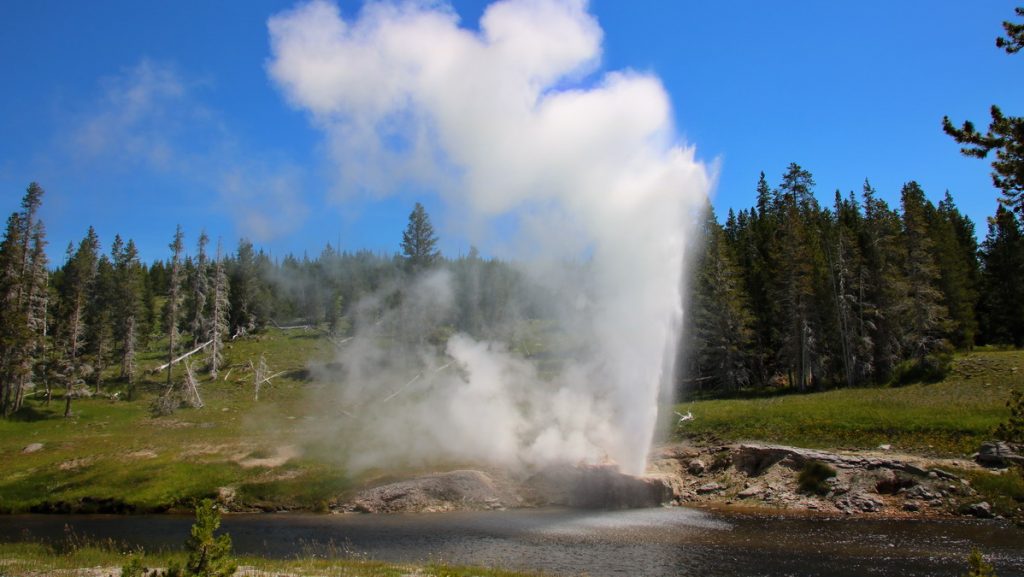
{"points": [[73, 327], [790, 294]]}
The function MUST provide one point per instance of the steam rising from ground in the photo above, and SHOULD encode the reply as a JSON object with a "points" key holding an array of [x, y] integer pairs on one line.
{"points": [[509, 119]]}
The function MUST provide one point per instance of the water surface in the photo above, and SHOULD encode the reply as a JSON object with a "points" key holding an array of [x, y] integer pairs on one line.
{"points": [[652, 542]]}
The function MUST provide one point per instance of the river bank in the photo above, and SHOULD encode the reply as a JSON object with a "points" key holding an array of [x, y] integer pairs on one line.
{"points": [[773, 479]]}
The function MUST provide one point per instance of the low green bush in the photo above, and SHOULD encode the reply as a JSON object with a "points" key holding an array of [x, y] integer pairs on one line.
{"points": [[813, 477]]}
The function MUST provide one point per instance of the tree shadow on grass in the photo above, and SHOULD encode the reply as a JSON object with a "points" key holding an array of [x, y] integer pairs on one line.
{"points": [[31, 414]]}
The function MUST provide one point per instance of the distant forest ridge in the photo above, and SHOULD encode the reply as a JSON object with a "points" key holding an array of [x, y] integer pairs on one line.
{"points": [[785, 294]]}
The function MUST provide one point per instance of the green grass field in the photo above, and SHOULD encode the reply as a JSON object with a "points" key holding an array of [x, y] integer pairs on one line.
{"points": [[88, 559], [113, 456], [949, 418]]}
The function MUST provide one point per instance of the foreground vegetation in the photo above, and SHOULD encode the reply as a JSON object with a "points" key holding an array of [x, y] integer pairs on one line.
{"points": [[207, 553]]}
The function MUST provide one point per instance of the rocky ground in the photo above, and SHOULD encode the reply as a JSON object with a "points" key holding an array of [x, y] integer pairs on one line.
{"points": [[747, 475], [768, 477]]}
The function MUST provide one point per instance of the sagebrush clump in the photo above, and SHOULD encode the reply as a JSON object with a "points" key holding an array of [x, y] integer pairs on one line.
{"points": [[813, 477]]}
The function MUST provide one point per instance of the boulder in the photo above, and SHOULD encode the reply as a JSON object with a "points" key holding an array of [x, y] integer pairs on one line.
{"points": [[999, 454], [696, 467], [709, 488], [980, 510], [749, 492]]}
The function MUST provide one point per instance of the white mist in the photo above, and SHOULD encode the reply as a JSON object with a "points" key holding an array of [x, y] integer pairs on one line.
{"points": [[508, 120]]}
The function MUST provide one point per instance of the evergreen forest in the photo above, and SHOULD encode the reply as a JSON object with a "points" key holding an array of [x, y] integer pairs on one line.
{"points": [[787, 295]]}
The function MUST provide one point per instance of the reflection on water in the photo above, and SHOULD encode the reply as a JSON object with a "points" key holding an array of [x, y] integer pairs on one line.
{"points": [[654, 542]]}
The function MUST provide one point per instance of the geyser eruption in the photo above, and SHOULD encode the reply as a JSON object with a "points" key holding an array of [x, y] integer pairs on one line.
{"points": [[509, 121]]}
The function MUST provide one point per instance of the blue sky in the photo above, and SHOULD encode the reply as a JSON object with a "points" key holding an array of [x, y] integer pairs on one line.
{"points": [[136, 116]]}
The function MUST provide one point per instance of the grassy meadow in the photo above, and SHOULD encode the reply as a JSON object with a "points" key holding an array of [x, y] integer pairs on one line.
{"points": [[950, 418], [112, 455], [107, 558]]}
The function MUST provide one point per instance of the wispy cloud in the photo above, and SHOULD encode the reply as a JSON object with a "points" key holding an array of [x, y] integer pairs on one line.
{"points": [[152, 117], [139, 117], [264, 203]]}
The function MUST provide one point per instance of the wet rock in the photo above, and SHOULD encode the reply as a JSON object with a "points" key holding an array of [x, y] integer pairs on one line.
{"points": [[980, 510], [32, 448], [597, 488], [457, 490], [912, 506], [999, 454], [709, 488]]}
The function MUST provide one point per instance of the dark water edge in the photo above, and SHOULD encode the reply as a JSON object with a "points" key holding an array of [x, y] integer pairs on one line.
{"points": [[652, 542]]}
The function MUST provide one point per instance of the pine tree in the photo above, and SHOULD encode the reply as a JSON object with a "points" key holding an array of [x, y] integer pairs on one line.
{"points": [[200, 288], [795, 287], [850, 277], [721, 317], [218, 314], [76, 292], [127, 289], [884, 284], [208, 555], [759, 257], [955, 253], [99, 321], [38, 304], [23, 290], [1001, 306], [173, 298], [924, 319], [1005, 134], [13, 326], [419, 242], [246, 289]]}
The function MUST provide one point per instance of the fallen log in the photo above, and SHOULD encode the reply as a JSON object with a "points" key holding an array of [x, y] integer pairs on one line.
{"points": [[182, 357]]}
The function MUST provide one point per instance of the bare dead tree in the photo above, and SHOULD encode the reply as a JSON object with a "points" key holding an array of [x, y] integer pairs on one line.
{"points": [[219, 314], [190, 390]]}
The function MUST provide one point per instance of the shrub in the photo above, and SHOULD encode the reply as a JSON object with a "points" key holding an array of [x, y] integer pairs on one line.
{"points": [[1013, 429], [208, 556], [133, 568], [165, 404], [813, 476], [977, 567]]}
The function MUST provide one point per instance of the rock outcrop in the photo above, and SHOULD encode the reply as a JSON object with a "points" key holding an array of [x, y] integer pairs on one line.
{"points": [[999, 454], [452, 491], [762, 475]]}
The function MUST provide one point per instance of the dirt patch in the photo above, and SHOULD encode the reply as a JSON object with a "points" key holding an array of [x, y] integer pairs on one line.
{"points": [[76, 463], [166, 423], [207, 450], [141, 454], [280, 456]]}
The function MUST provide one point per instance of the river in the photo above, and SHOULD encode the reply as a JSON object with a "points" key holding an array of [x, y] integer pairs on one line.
{"points": [[649, 542]]}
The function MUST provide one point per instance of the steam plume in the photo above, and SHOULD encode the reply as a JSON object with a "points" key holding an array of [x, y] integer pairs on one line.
{"points": [[512, 119]]}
